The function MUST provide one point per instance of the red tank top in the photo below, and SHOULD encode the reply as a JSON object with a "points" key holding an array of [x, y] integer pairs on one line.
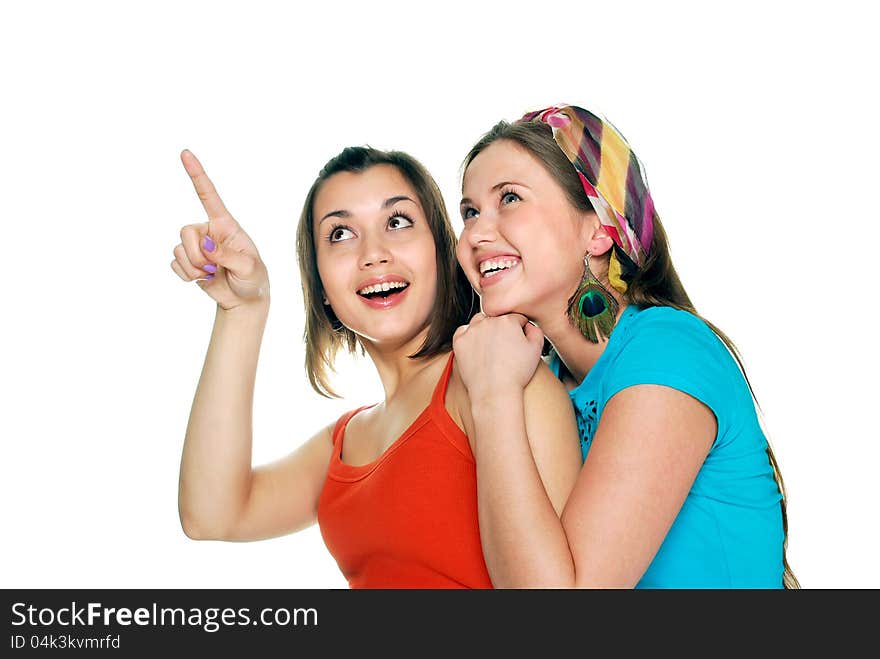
{"points": [[409, 518]]}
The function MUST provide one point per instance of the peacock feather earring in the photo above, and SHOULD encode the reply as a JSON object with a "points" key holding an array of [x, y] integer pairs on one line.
{"points": [[592, 309]]}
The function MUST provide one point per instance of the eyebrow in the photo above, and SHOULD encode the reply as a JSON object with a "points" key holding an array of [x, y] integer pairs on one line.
{"points": [[335, 214], [497, 186], [393, 200], [385, 204]]}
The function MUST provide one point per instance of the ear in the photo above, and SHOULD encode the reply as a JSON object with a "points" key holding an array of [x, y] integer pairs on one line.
{"points": [[595, 238]]}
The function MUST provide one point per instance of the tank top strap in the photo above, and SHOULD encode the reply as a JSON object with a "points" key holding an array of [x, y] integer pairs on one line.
{"points": [[438, 400], [342, 422]]}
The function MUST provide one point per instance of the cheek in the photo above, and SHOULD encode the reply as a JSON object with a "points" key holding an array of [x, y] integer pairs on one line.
{"points": [[421, 254], [461, 255], [429, 258], [330, 273], [552, 230], [465, 260], [553, 261]]}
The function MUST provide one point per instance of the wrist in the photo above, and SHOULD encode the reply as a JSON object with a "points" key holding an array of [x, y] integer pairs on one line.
{"points": [[247, 312], [495, 400], [498, 420]]}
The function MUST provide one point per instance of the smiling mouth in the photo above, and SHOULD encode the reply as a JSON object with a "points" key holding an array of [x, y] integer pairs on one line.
{"points": [[383, 291], [492, 268]]}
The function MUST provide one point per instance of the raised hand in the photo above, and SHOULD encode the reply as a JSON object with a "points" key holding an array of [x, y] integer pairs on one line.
{"points": [[218, 255], [497, 355]]}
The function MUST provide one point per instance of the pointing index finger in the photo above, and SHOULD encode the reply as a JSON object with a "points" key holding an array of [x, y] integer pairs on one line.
{"points": [[204, 188]]}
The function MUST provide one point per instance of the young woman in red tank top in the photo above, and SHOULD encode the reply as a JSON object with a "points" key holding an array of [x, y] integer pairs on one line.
{"points": [[393, 485]]}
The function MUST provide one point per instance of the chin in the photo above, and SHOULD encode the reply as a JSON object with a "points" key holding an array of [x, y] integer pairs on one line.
{"points": [[390, 334], [495, 306]]}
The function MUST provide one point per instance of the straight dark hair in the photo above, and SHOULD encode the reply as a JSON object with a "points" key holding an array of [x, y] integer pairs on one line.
{"points": [[656, 283], [324, 335]]}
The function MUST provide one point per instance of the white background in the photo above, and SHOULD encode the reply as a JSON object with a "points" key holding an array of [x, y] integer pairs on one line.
{"points": [[757, 124]]}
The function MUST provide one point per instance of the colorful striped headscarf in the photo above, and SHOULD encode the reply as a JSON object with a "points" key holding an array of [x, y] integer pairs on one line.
{"points": [[610, 173]]}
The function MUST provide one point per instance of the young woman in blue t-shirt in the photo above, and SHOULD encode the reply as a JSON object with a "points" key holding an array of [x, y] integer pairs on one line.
{"points": [[679, 487]]}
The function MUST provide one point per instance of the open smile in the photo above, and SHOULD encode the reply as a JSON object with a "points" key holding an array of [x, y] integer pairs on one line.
{"points": [[493, 270], [383, 292]]}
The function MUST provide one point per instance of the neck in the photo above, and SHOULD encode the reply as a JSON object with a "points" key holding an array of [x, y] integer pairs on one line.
{"points": [[577, 353], [393, 364]]}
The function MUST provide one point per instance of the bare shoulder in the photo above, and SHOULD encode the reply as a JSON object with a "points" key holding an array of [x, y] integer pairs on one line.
{"points": [[458, 404], [313, 456], [549, 410], [553, 434], [543, 388], [324, 436], [545, 385]]}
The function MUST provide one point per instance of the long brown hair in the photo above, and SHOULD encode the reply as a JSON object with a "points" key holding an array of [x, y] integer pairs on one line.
{"points": [[655, 283], [324, 335]]}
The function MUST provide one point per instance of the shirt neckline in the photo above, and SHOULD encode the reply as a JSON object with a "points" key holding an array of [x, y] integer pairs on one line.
{"points": [[345, 471], [619, 329]]}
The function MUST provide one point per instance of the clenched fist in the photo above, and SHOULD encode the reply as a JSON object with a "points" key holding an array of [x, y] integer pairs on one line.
{"points": [[497, 355]]}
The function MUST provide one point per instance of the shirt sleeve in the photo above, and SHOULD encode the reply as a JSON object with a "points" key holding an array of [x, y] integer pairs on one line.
{"points": [[673, 348]]}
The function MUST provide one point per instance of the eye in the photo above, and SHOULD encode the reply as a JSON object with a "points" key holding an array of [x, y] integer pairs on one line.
{"points": [[508, 197], [469, 213], [339, 233], [399, 221]]}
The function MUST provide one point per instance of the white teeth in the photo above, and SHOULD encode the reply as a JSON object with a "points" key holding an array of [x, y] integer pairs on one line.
{"points": [[385, 286], [497, 264]]}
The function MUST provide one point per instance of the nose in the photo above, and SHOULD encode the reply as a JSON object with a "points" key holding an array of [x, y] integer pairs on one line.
{"points": [[374, 252], [482, 229]]}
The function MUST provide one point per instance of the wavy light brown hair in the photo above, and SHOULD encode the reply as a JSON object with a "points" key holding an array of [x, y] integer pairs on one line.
{"points": [[656, 283], [324, 335]]}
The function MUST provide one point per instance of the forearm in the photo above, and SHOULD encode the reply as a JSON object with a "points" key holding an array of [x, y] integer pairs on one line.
{"points": [[215, 470], [524, 544]]}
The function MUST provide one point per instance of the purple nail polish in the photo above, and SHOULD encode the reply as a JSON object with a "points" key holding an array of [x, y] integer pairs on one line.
{"points": [[209, 276], [210, 267], [208, 244]]}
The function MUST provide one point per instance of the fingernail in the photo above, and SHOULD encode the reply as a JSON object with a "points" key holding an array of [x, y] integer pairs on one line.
{"points": [[210, 267], [209, 276], [208, 244]]}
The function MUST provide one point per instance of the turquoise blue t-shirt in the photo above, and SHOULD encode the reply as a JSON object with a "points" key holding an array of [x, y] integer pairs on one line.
{"points": [[728, 533]]}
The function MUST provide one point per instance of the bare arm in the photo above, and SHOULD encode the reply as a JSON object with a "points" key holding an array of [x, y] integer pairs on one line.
{"points": [[525, 445], [215, 469], [524, 479], [220, 496], [650, 443], [648, 448]]}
